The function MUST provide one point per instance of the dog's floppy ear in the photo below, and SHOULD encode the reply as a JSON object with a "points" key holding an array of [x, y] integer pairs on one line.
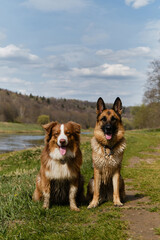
{"points": [[117, 106], [48, 128], [76, 127], [100, 106]]}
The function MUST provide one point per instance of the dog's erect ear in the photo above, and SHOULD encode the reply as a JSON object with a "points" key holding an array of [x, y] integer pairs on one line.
{"points": [[48, 127], [100, 106], [117, 106], [76, 127]]}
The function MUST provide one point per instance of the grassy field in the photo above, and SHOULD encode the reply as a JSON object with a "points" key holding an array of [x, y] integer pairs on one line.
{"points": [[8, 127], [146, 176], [21, 218]]}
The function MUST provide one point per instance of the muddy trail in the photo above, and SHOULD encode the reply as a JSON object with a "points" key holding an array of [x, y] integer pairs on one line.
{"points": [[138, 211]]}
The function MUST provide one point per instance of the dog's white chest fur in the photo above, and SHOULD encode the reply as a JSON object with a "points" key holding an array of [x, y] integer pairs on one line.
{"points": [[101, 161], [58, 166]]}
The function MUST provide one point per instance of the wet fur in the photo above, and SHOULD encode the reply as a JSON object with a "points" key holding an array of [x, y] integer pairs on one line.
{"points": [[107, 156]]}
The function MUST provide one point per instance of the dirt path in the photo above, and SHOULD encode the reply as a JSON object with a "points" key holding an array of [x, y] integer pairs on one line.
{"points": [[137, 210]]}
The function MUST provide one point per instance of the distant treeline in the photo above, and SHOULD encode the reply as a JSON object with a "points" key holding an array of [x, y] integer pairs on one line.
{"points": [[146, 116], [15, 107]]}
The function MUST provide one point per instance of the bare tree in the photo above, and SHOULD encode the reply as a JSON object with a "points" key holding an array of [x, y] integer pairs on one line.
{"points": [[152, 92]]}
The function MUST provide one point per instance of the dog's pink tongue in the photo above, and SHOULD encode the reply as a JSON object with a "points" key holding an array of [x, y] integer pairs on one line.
{"points": [[63, 150], [108, 137]]}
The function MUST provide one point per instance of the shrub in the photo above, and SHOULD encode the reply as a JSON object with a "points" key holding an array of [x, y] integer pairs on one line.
{"points": [[128, 124], [43, 119]]}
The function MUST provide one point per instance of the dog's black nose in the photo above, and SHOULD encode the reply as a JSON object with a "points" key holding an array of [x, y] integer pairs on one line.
{"points": [[62, 141], [107, 126]]}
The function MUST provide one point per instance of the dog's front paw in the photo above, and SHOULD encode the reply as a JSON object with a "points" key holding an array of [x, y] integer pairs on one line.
{"points": [[93, 204], [74, 208], [118, 204], [46, 206]]}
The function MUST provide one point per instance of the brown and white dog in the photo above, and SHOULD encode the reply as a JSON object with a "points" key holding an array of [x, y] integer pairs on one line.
{"points": [[108, 145], [59, 180]]}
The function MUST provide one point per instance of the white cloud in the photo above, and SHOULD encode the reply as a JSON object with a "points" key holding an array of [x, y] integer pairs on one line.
{"points": [[133, 52], [64, 81], [13, 80], [138, 3], [11, 52], [125, 56], [82, 87], [23, 91], [151, 36], [106, 71], [60, 5], [16, 84], [69, 53], [117, 70]]}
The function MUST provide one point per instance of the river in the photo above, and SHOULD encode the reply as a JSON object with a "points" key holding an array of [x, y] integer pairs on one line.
{"points": [[15, 142]]}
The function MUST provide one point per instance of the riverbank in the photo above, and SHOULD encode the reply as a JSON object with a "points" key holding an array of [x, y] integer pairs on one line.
{"points": [[8, 127], [18, 136]]}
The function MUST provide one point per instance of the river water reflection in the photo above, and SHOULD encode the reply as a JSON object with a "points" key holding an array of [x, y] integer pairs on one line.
{"points": [[15, 142]]}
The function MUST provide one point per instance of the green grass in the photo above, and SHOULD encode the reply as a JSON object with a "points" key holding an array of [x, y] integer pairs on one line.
{"points": [[21, 218], [144, 144], [145, 175], [8, 127]]}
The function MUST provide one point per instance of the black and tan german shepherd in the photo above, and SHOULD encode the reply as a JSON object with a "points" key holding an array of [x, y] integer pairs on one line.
{"points": [[108, 145]]}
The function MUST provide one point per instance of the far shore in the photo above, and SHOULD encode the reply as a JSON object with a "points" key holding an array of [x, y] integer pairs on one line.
{"points": [[9, 128]]}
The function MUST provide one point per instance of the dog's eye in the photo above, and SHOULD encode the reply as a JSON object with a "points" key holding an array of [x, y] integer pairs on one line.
{"points": [[113, 119], [104, 119], [55, 134], [68, 133]]}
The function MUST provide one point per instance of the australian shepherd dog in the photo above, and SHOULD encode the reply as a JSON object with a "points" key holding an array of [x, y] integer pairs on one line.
{"points": [[59, 180], [108, 145]]}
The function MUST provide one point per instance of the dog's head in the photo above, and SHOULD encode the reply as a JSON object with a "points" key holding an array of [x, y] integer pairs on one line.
{"points": [[109, 125], [62, 136]]}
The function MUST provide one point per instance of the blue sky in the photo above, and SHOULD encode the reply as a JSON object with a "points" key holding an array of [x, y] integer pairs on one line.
{"points": [[80, 49]]}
